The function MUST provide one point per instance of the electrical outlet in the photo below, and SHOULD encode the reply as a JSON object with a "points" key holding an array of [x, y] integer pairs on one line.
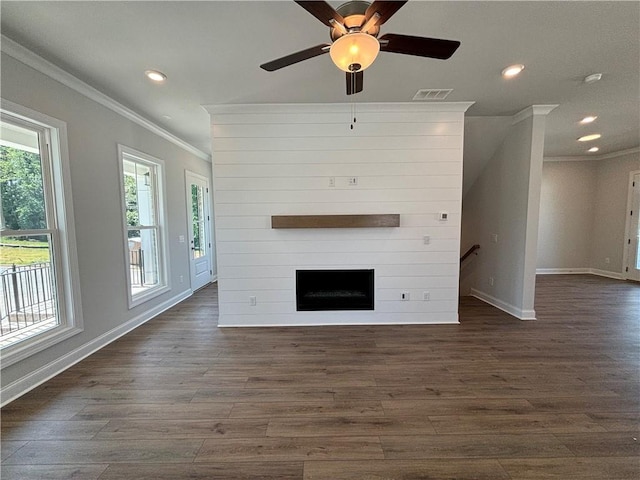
{"points": [[426, 296], [491, 281], [426, 239], [353, 181], [494, 237], [252, 301], [443, 216], [607, 260], [404, 296], [181, 279], [332, 181]]}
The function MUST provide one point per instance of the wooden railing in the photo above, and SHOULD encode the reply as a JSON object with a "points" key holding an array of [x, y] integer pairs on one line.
{"points": [[469, 252]]}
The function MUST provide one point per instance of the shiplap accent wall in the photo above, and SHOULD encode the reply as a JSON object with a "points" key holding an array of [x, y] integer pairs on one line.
{"points": [[278, 160]]}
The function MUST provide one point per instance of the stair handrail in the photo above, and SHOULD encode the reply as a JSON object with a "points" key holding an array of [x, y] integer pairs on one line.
{"points": [[469, 252]]}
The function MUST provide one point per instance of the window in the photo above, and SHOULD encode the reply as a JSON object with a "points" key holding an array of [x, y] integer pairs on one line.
{"points": [[143, 209], [38, 264]]}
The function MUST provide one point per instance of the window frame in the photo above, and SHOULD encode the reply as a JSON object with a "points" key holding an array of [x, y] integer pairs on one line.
{"points": [[158, 166], [60, 226]]}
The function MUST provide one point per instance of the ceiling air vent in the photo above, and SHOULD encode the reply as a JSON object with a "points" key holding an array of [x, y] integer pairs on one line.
{"points": [[428, 94]]}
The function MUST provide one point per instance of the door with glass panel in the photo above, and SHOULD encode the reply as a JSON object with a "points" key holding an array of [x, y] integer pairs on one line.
{"points": [[199, 230]]}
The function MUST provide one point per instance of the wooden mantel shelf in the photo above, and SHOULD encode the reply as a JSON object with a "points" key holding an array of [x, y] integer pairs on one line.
{"points": [[335, 221]]}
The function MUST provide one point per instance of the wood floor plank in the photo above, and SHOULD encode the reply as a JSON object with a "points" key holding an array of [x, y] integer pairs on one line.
{"points": [[105, 451], [611, 444], [531, 423], [348, 426], [9, 447], [290, 449], [52, 472], [473, 446], [206, 471], [296, 409], [52, 430], [255, 395], [573, 468], [405, 469], [171, 428], [460, 406], [141, 411]]}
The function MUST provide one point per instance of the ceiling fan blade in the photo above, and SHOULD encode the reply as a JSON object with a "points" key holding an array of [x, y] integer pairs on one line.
{"points": [[322, 11], [354, 82], [295, 57], [384, 9], [418, 46]]}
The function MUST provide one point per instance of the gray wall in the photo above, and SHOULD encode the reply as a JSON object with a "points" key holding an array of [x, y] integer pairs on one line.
{"points": [[93, 134], [504, 201], [583, 213]]}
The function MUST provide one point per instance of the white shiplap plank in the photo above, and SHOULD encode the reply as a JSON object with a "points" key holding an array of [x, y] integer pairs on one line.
{"points": [[347, 196], [339, 258], [361, 129], [337, 157], [342, 117], [329, 143], [402, 208], [324, 169]]}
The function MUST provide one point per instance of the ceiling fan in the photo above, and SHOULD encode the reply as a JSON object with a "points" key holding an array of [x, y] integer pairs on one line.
{"points": [[354, 28]]}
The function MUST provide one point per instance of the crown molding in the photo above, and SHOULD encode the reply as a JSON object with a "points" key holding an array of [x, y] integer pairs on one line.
{"points": [[26, 56], [591, 158], [531, 111]]}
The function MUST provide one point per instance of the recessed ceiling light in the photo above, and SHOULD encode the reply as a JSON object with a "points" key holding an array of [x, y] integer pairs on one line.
{"points": [[589, 119], [594, 77], [593, 149], [512, 70], [155, 75], [588, 138]]}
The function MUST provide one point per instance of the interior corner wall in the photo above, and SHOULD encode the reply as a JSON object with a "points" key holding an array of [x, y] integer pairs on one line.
{"points": [[93, 134], [583, 215], [610, 212], [566, 214], [503, 201]]}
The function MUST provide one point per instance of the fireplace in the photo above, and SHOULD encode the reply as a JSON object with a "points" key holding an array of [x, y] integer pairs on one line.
{"points": [[334, 290]]}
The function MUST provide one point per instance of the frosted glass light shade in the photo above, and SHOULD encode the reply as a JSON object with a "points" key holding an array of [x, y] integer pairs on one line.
{"points": [[354, 52]]}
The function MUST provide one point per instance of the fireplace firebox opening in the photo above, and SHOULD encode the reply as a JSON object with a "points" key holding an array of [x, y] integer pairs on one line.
{"points": [[318, 290]]}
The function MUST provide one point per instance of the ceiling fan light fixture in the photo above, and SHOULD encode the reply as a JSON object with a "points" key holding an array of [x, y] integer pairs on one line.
{"points": [[354, 52]]}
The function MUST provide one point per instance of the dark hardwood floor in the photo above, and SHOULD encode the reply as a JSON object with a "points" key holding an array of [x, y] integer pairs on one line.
{"points": [[492, 398]]}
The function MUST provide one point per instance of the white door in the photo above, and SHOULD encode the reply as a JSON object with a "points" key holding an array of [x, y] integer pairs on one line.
{"points": [[199, 230], [633, 236]]}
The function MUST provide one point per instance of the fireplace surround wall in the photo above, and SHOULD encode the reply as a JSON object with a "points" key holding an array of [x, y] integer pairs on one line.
{"points": [[304, 160]]}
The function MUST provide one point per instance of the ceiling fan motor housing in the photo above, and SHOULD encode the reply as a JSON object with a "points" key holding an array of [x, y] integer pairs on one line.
{"points": [[354, 17]]}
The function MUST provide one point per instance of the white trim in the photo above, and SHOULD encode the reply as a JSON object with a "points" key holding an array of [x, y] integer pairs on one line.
{"points": [[283, 108], [50, 370], [563, 271], [337, 321], [627, 227], [531, 111], [26, 56], [214, 278], [579, 271], [68, 276], [161, 208], [504, 306], [585, 158], [606, 273]]}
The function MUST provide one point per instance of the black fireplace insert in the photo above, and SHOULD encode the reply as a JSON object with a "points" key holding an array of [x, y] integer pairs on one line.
{"points": [[334, 290]]}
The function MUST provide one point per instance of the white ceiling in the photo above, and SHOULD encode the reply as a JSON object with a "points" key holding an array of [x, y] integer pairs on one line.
{"points": [[211, 52]]}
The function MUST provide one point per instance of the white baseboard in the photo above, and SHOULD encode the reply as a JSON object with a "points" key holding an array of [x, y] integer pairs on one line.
{"points": [[46, 372], [606, 273], [504, 306], [579, 271]]}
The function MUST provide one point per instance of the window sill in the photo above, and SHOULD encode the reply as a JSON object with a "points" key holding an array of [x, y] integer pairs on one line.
{"points": [[21, 350], [141, 298]]}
